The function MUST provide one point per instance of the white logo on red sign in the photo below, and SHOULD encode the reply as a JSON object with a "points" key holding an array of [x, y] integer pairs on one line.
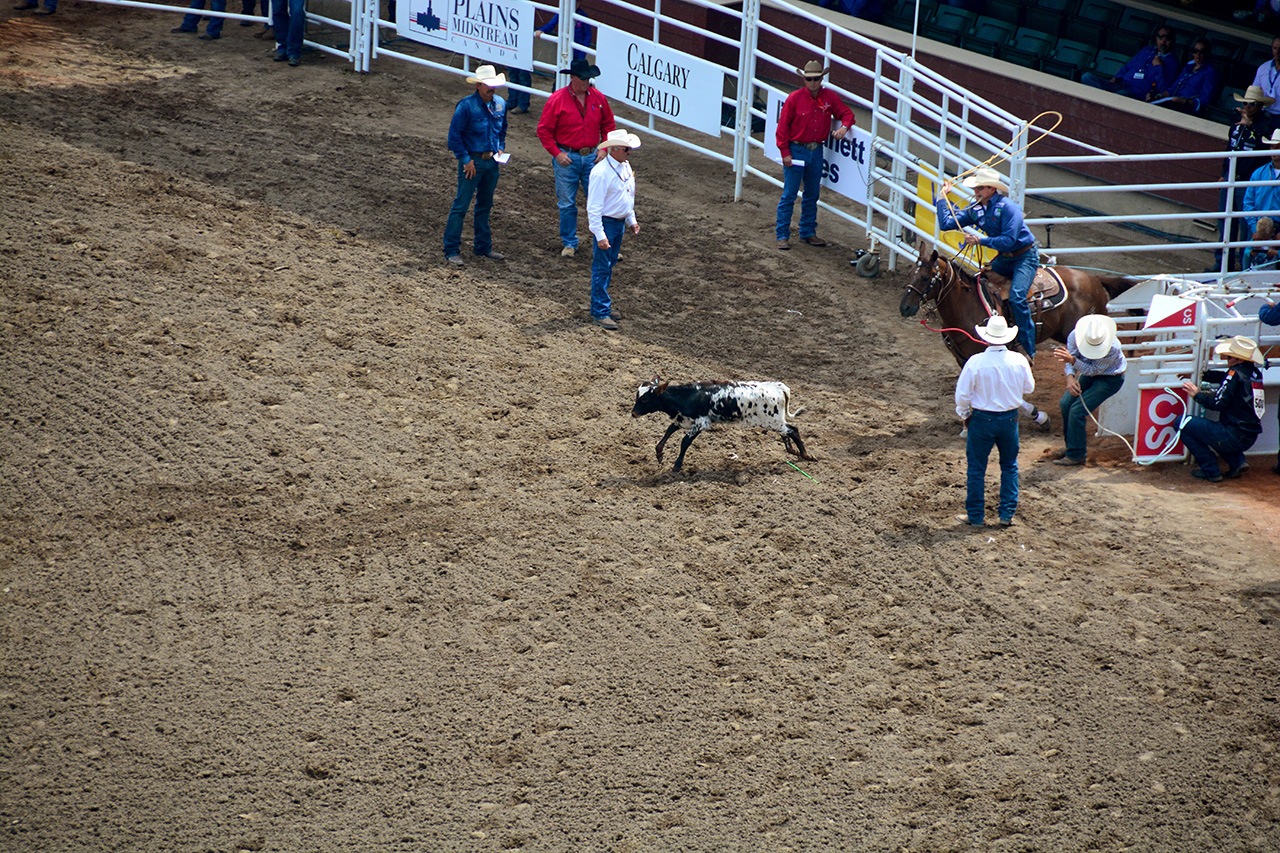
{"points": [[1159, 412]]}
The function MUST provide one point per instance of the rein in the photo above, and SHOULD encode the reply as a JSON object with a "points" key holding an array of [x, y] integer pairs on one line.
{"points": [[952, 278]]}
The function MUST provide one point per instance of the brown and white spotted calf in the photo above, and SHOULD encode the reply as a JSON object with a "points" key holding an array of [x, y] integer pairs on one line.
{"points": [[698, 405]]}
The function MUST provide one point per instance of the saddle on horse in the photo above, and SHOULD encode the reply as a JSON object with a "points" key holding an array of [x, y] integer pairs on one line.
{"points": [[1047, 289]]}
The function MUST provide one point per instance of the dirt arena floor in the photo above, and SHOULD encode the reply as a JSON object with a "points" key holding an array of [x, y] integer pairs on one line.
{"points": [[310, 542]]}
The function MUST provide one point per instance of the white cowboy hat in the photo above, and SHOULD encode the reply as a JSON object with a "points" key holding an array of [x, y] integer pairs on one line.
{"points": [[620, 139], [1273, 139], [1095, 335], [489, 76], [1240, 347], [984, 177], [996, 330], [1254, 95]]}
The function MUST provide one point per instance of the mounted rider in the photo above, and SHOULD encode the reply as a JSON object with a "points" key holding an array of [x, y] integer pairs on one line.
{"points": [[1005, 231]]}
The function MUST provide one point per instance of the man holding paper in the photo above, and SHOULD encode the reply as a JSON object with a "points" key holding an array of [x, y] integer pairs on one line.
{"points": [[478, 139]]}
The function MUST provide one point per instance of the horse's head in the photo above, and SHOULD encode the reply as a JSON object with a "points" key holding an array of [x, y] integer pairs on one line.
{"points": [[925, 279]]}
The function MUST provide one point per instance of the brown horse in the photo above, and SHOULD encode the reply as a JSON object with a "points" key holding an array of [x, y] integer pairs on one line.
{"points": [[961, 301]]}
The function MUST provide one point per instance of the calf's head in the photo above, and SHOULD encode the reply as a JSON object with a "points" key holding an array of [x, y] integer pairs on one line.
{"points": [[648, 398]]}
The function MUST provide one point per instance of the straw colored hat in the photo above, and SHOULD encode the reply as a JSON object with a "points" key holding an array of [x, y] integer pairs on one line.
{"points": [[1254, 95], [1095, 335], [812, 67], [1239, 347], [489, 76], [985, 177], [996, 330], [620, 139]]}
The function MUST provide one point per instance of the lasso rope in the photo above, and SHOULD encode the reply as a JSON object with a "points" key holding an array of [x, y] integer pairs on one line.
{"points": [[999, 157]]}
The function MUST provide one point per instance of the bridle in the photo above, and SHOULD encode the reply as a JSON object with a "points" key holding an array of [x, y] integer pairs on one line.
{"points": [[937, 282]]}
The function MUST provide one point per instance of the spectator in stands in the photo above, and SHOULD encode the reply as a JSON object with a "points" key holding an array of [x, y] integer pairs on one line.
{"points": [[1264, 12], [1270, 314], [1261, 200], [1262, 257], [1247, 134], [1152, 69], [1195, 87], [1237, 400], [1267, 78], [868, 10], [803, 127]]}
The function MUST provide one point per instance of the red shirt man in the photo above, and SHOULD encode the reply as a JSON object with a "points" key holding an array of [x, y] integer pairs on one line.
{"points": [[803, 128], [574, 121]]}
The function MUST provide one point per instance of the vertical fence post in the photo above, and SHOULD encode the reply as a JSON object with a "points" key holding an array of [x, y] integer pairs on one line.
{"points": [[748, 33]]}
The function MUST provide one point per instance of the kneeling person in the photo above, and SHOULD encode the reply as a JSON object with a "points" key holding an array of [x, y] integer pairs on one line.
{"points": [[1238, 402]]}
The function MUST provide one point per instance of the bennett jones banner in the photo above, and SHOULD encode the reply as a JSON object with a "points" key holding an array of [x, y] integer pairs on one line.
{"points": [[495, 31], [844, 165], [659, 80]]}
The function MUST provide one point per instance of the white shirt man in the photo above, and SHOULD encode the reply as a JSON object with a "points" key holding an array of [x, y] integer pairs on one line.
{"points": [[611, 209], [989, 393]]}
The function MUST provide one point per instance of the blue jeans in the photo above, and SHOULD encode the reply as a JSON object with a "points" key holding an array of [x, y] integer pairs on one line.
{"points": [[519, 100], [247, 7], [1203, 436], [568, 179], [1093, 391], [987, 430], [1020, 271], [602, 262], [289, 21], [192, 22], [808, 173], [481, 187]]}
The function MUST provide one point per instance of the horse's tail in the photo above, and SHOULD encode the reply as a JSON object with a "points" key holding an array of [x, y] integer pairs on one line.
{"points": [[1117, 284]]}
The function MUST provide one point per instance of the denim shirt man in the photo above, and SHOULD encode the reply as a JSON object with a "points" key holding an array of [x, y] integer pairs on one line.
{"points": [[477, 132], [1006, 232]]}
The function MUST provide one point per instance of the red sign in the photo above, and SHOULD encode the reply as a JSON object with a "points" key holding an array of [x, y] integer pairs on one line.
{"points": [[1170, 312], [1159, 413]]}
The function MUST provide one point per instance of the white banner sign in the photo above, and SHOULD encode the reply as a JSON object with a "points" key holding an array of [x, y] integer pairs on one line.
{"points": [[844, 163], [499, 32], [659, 80]]}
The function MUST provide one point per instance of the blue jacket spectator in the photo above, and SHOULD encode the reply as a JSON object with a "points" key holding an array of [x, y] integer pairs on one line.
{"points": [[1259, 200], [583, 33], [1195, 87], [1152, 69]]}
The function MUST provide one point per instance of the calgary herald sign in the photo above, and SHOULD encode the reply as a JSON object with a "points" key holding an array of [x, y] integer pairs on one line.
{"points": [[665, 82], [497, 31]]}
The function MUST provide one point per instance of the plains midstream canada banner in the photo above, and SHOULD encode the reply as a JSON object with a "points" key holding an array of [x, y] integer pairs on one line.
{"points": [[499, 32], [670, 84], [844, 167]]}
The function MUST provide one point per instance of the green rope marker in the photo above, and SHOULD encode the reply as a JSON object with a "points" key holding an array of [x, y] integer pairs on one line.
{"points": [[793, 465]]}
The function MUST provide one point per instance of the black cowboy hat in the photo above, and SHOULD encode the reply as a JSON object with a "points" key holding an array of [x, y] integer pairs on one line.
{"points": [[581, 69]]}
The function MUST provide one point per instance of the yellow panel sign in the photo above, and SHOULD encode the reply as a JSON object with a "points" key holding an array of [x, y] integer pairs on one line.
{"points": [[926, 220]]}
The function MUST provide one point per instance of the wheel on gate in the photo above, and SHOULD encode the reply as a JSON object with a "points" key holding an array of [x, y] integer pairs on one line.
{"points": [[868, 266]]}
